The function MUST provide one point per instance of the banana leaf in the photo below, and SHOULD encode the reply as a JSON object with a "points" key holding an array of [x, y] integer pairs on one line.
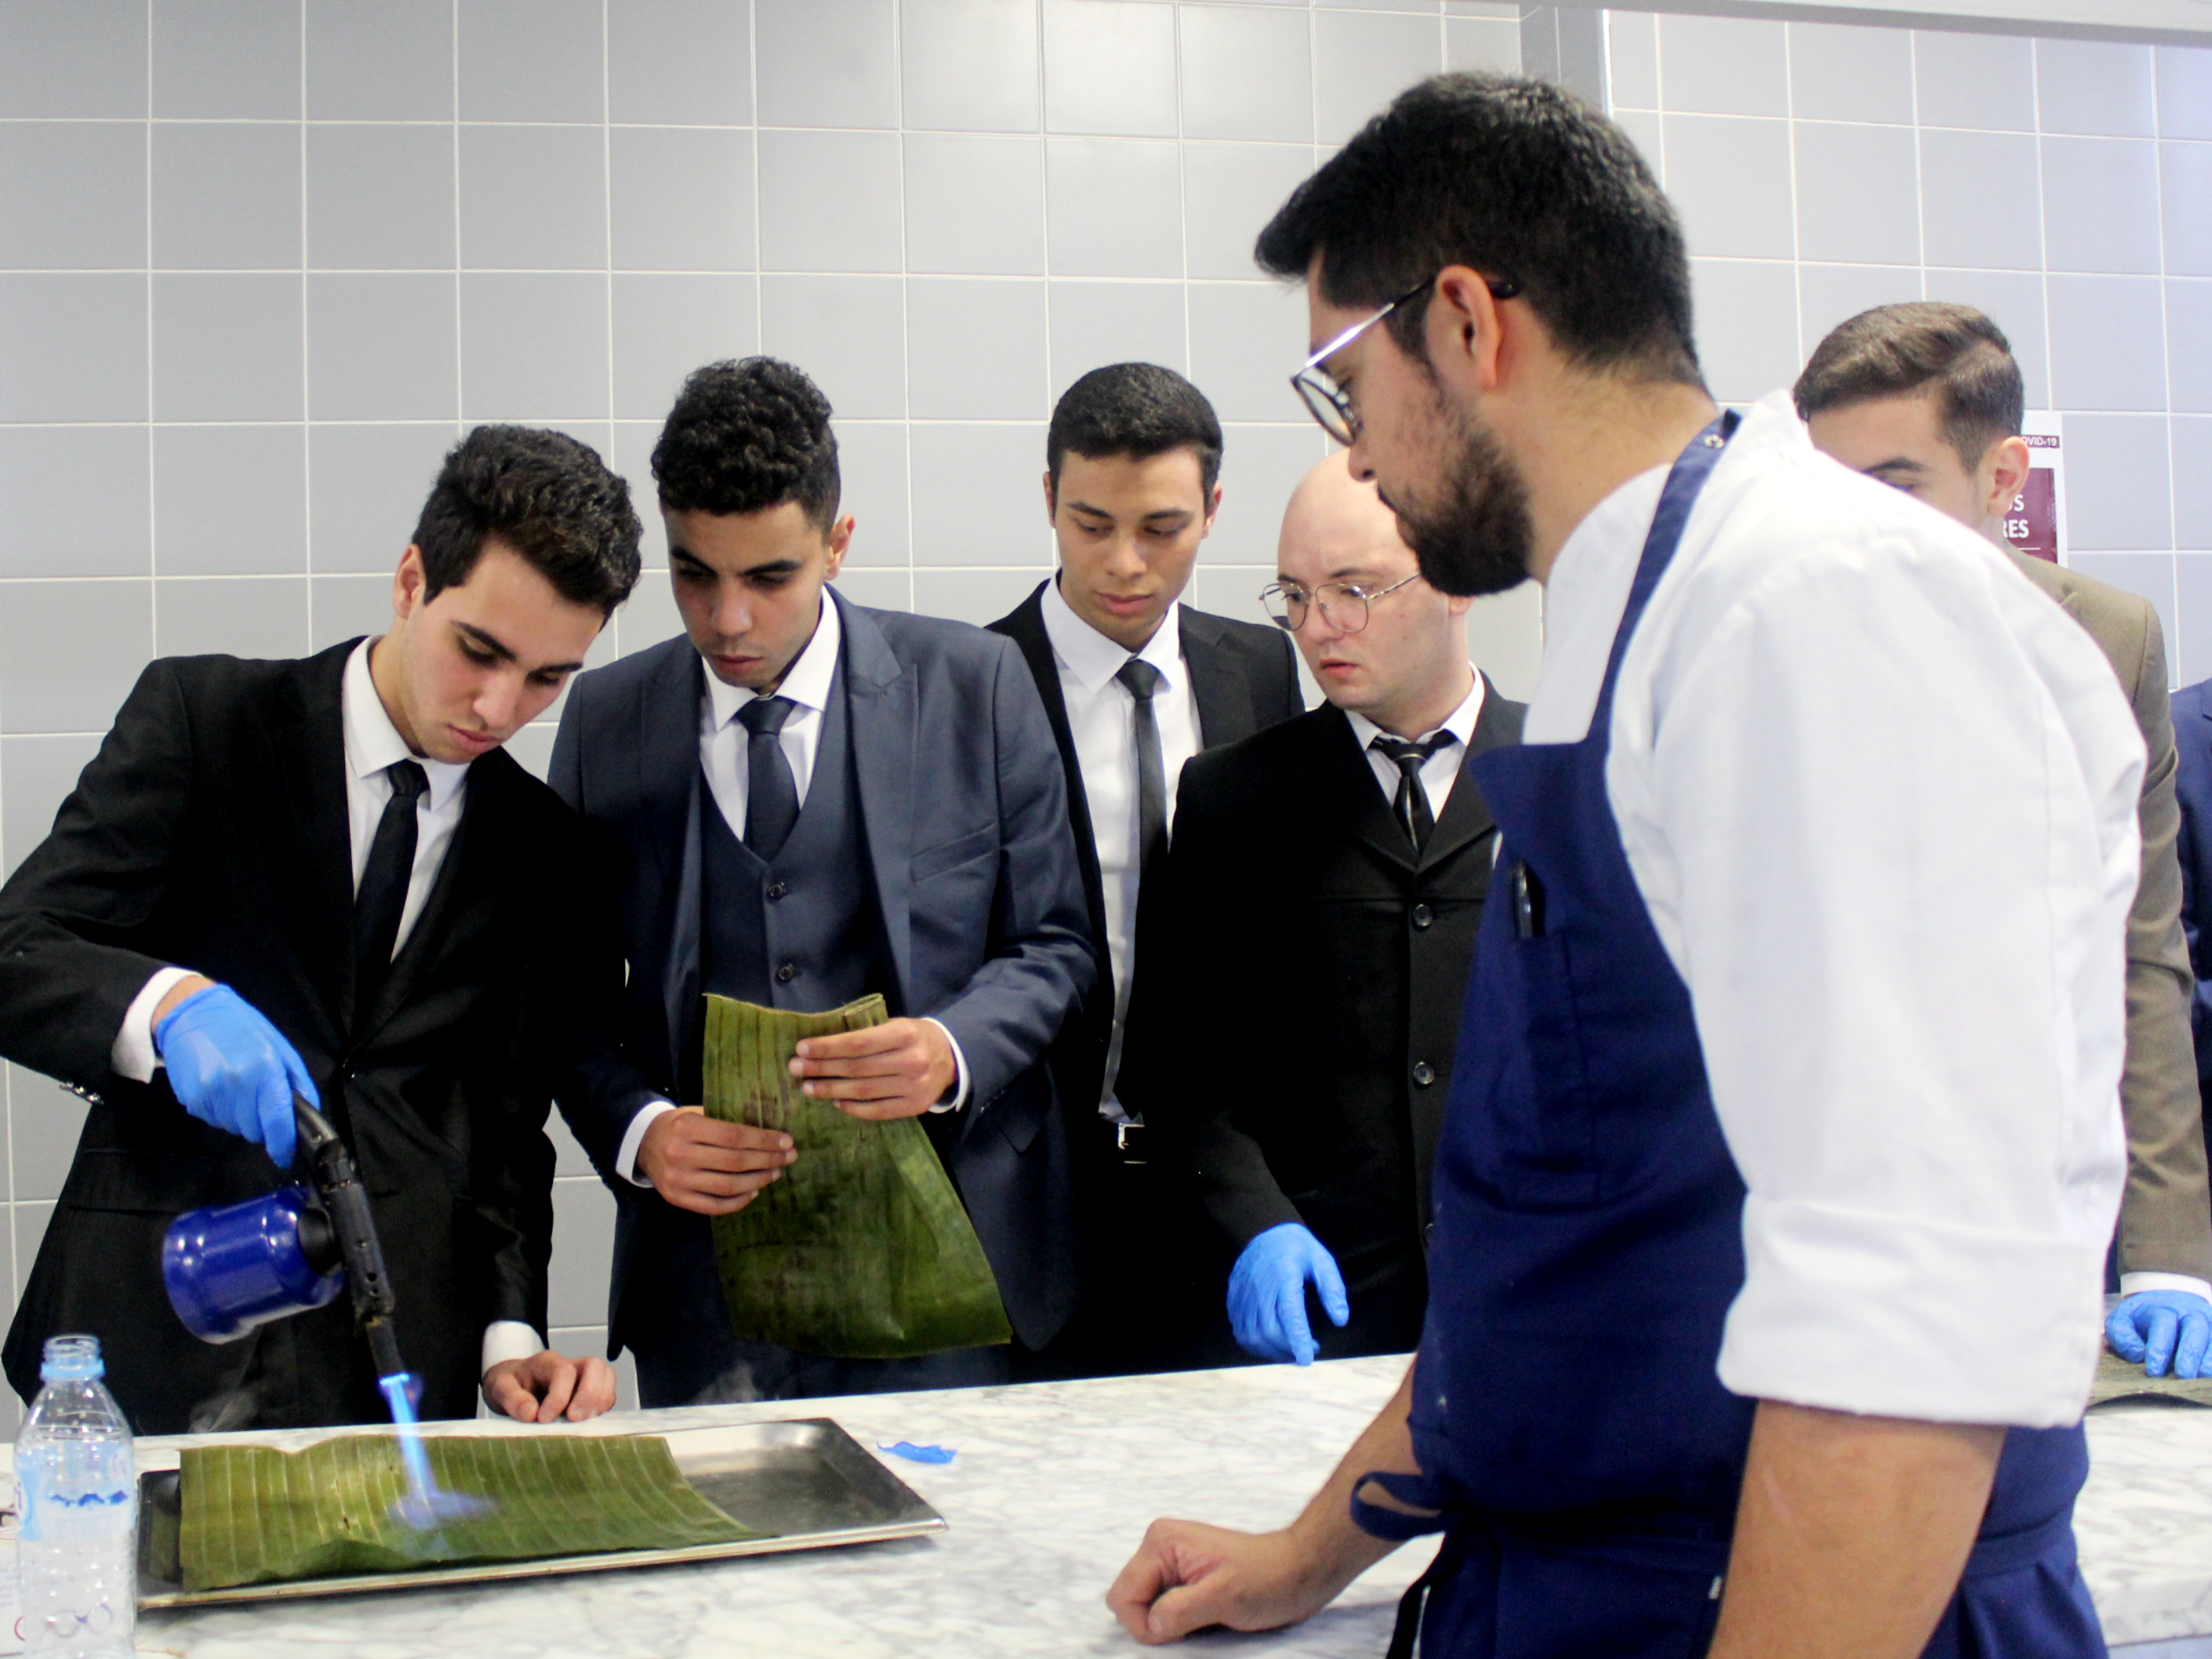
{"points": [[253, 1515], [861, 1250]]}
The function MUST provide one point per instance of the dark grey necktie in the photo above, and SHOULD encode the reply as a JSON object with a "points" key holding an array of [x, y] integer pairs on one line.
{"points": [[381, 898], [1144, 681], [1410, 805], [771, 792]]}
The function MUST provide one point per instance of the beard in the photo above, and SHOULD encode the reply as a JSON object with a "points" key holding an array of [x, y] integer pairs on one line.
{"points": [[1475, 539]]}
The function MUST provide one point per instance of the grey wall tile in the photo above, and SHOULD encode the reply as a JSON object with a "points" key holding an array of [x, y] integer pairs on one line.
{"points": [[532, 749], [226, 196], [2107, 348], [975, 497], [533, 348], [1647, 131], [2185, 91], [70, 653], [1979, 200], [2189, 344], [1850, 72], [2192, 516], [1632, 64], [827, 62], [1094, 324], [2100, 204], [73, 57], [848, 332], [683, 61], [1260, 467], [1233, 590], [2096, 87], [2189, 658], [36, 775], [1109, 68], [1482, 43], [974, 204], [1246, 340], [969, 65], [44, 1119], [666, 326], [2185, 202], [879, 590], [380, 60], [2014, 300], [830, 201], [682, 198], [231, 501], [1985, 81], [367, 485], [1228, 191], [872, 462], [1246, 74], [531, 60], [346, 607], [2150, 575], [1828, 294], [631, 458], [1747, 326], [948, 376], [1859, 197], [382, 348], [1729, 181], [1113, 207], [76, 502], [72, 348], [227, 59], [583, 1251], [226, 347], [650, 617], [1362, 62], [238, 616], [72, 195], [1723, 65], [381, 197], [2116, 483], [533, 197], [973, 596]]}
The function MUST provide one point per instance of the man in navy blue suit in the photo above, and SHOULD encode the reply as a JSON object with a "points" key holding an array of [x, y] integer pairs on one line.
{"points": [[811, 802]]}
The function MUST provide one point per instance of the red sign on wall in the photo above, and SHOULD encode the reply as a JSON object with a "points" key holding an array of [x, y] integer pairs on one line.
{"points": [[2036, 522]]}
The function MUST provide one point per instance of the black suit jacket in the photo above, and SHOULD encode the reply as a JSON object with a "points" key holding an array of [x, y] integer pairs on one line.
{"points": [[1294, 1028], [210, 831]]}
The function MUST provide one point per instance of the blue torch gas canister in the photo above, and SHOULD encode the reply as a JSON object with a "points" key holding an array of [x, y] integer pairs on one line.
{"points": [[230, 1269]]}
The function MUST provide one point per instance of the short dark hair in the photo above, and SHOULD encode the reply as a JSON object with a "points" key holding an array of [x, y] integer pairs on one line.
{"points": [[543, 494], [747, 436], [1519, 180], [1892, 350], [1138, 410]]}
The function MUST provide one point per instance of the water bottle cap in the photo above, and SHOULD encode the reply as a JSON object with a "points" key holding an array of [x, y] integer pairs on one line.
{"points": [[72, 1360]]}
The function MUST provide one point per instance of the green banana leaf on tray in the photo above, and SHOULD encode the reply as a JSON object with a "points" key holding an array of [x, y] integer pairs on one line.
{"points": [[253, 1515], [861, 1250]]}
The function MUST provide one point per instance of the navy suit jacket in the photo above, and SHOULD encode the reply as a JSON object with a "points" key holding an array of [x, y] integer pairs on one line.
{"points": [[2192, 740], [963, 809]]}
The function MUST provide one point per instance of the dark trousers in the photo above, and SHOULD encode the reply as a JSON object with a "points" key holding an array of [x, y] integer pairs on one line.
{"points": [[733, 1373]]}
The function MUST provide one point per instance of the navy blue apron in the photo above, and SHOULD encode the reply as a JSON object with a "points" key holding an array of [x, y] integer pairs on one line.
{"points": [[1573, 1436]]}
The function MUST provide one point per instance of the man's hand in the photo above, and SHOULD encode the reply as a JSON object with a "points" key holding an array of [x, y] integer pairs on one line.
{"points": [[898, 1069], [1267, 1294], [2154, 1329], [1187, 1576], [699, 1163], [548, 1387], [229, 1067]]}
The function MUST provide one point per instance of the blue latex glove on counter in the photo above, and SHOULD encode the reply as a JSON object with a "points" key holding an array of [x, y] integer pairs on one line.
{"points": [[1267, 1293], [2153, 1328], [230, 1067]]}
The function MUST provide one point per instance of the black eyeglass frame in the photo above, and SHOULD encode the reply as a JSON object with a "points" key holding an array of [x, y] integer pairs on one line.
{"points": [[1325, 400]]}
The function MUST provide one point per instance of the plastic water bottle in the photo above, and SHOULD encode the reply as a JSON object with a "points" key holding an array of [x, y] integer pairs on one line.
{"points": [[77, 1492]]}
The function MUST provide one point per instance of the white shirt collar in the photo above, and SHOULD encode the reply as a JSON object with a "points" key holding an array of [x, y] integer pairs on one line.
{"points": [[1094, 660], [372, 743], [1459, 723], [806, 682]]}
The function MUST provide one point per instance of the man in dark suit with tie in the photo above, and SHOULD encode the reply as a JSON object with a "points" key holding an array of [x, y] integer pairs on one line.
{"points": [[1319, 899], [811, 802], [327, 875], [1134, 683]]}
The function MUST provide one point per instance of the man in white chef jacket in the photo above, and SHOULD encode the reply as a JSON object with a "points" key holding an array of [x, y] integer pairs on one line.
{"points": [[1784, 1145]]}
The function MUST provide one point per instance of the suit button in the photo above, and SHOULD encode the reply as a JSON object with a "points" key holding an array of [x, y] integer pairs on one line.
{"points": [[785, 973], [776, 890], [1423, 916], [1428, 1232], [1423, 1074]]}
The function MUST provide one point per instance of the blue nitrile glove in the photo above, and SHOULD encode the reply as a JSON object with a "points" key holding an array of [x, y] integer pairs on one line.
{"points": [[230, 1067], [1267, 1293], [2154, 1327]]}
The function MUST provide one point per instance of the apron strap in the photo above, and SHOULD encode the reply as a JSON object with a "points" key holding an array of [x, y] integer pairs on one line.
{"points": [[1406, 1633]]}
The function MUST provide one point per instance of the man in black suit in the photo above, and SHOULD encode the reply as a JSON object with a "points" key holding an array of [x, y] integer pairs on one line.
{"points": [[1321, 900], [326, 875], [812, 802], [1134, 683]]}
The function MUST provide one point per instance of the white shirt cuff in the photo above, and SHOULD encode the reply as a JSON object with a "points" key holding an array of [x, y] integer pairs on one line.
{"points": [[507, 1339], [960, 1066], [2132, 1283], [132, 1053], [634, 1137]]}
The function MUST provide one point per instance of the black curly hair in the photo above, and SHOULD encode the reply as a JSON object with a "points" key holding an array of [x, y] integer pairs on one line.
{"points": [[549, 498], [1138, 410], [747, 436]]}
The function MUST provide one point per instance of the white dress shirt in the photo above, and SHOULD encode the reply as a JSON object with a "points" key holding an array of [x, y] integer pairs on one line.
{"points": [[1878, 795], [1102, 719], [1441, 770]]}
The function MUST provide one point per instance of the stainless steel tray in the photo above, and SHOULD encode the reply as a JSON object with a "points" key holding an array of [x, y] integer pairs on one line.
{"points": [[806, 1481]]}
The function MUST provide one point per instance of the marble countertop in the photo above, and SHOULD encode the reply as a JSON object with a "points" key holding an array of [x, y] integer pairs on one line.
{"points": [[1051, 1490]]}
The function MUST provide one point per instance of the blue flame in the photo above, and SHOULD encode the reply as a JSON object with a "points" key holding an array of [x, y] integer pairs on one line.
{"points": [[424, 1507]]}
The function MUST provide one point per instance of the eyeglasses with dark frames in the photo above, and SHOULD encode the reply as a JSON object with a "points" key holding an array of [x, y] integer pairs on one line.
{"points": [[1328, 402], [1344, 605]]}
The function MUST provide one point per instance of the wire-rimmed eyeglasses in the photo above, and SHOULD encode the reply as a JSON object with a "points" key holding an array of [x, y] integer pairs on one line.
{"points": [[1344, 605], [1328, 402]]}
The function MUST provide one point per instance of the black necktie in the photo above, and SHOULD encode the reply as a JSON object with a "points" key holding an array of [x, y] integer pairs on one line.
{"points": [[381, 898], [1144, 681], [1410, 805], [771, 792]]}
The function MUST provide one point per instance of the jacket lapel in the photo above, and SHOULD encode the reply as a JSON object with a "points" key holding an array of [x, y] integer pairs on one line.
{"points": [[1217, 682], [309, 730], [668, 805], [1467, 814], [1370, 819], [468, 872], [1025, 628], [880, 705]]}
